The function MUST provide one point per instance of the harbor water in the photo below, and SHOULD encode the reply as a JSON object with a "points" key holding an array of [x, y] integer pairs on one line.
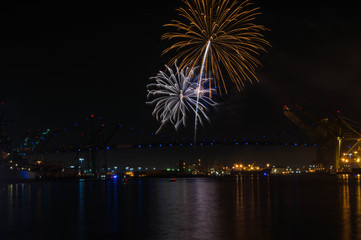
{"points": [[259, 207]]}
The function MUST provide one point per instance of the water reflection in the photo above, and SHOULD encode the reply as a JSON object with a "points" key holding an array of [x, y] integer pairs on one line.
{"points": [[346, 216], [252, 208], [205, 210], [200, 208], [10, 203], [81, 210], [351, 206], [358, 207]]}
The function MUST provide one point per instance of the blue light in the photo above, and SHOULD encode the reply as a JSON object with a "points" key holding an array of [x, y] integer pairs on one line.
{"points": [[24, 174], [160, 145], [246, 143], [139, 146], [191, 144], [78, 149], [108, 148], [264, 174], [296, 144], [170, 145], [211, 144], [236, 143], [150, 145], [115, 176]]}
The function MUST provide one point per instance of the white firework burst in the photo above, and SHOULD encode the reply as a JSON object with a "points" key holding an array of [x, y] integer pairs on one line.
{"points": [[175, 95]]}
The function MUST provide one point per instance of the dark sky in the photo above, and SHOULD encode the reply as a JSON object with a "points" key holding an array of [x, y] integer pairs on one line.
{"points": [[61, 63]]}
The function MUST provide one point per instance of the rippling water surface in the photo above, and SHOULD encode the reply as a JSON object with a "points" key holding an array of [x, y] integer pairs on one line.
{"points": [[278, 207]]}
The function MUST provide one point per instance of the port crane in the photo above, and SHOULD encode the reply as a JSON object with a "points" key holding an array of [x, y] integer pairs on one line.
{"points": [[333, 135]]}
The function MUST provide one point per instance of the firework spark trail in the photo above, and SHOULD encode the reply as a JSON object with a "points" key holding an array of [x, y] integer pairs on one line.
{"points": [[221, 35], [175, 95], [199, 83], [234, 40]]}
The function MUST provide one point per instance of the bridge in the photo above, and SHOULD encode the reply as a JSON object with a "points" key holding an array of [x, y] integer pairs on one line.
{"points": [[94, 137], [337, 139]]}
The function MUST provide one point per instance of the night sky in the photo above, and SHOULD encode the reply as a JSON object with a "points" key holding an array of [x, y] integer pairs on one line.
{"points": [[61, 63]]}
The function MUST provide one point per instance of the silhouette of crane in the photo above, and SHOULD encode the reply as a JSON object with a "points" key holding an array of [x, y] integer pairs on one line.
{"points": [[333, 135]]}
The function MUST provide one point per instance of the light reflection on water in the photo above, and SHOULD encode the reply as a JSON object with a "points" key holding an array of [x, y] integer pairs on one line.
{"points": [[308, 207], [351, 206]]}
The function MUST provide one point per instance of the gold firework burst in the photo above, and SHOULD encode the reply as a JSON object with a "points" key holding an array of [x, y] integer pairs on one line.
{"points": [[218, 35]]}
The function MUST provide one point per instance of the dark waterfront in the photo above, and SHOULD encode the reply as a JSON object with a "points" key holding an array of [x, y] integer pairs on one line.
{"points": [[273, 207]]}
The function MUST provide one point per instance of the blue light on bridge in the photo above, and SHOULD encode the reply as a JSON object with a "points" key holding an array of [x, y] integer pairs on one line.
{"points": [[139, 146], [246, 143], [160, 145], [108, 148]]}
